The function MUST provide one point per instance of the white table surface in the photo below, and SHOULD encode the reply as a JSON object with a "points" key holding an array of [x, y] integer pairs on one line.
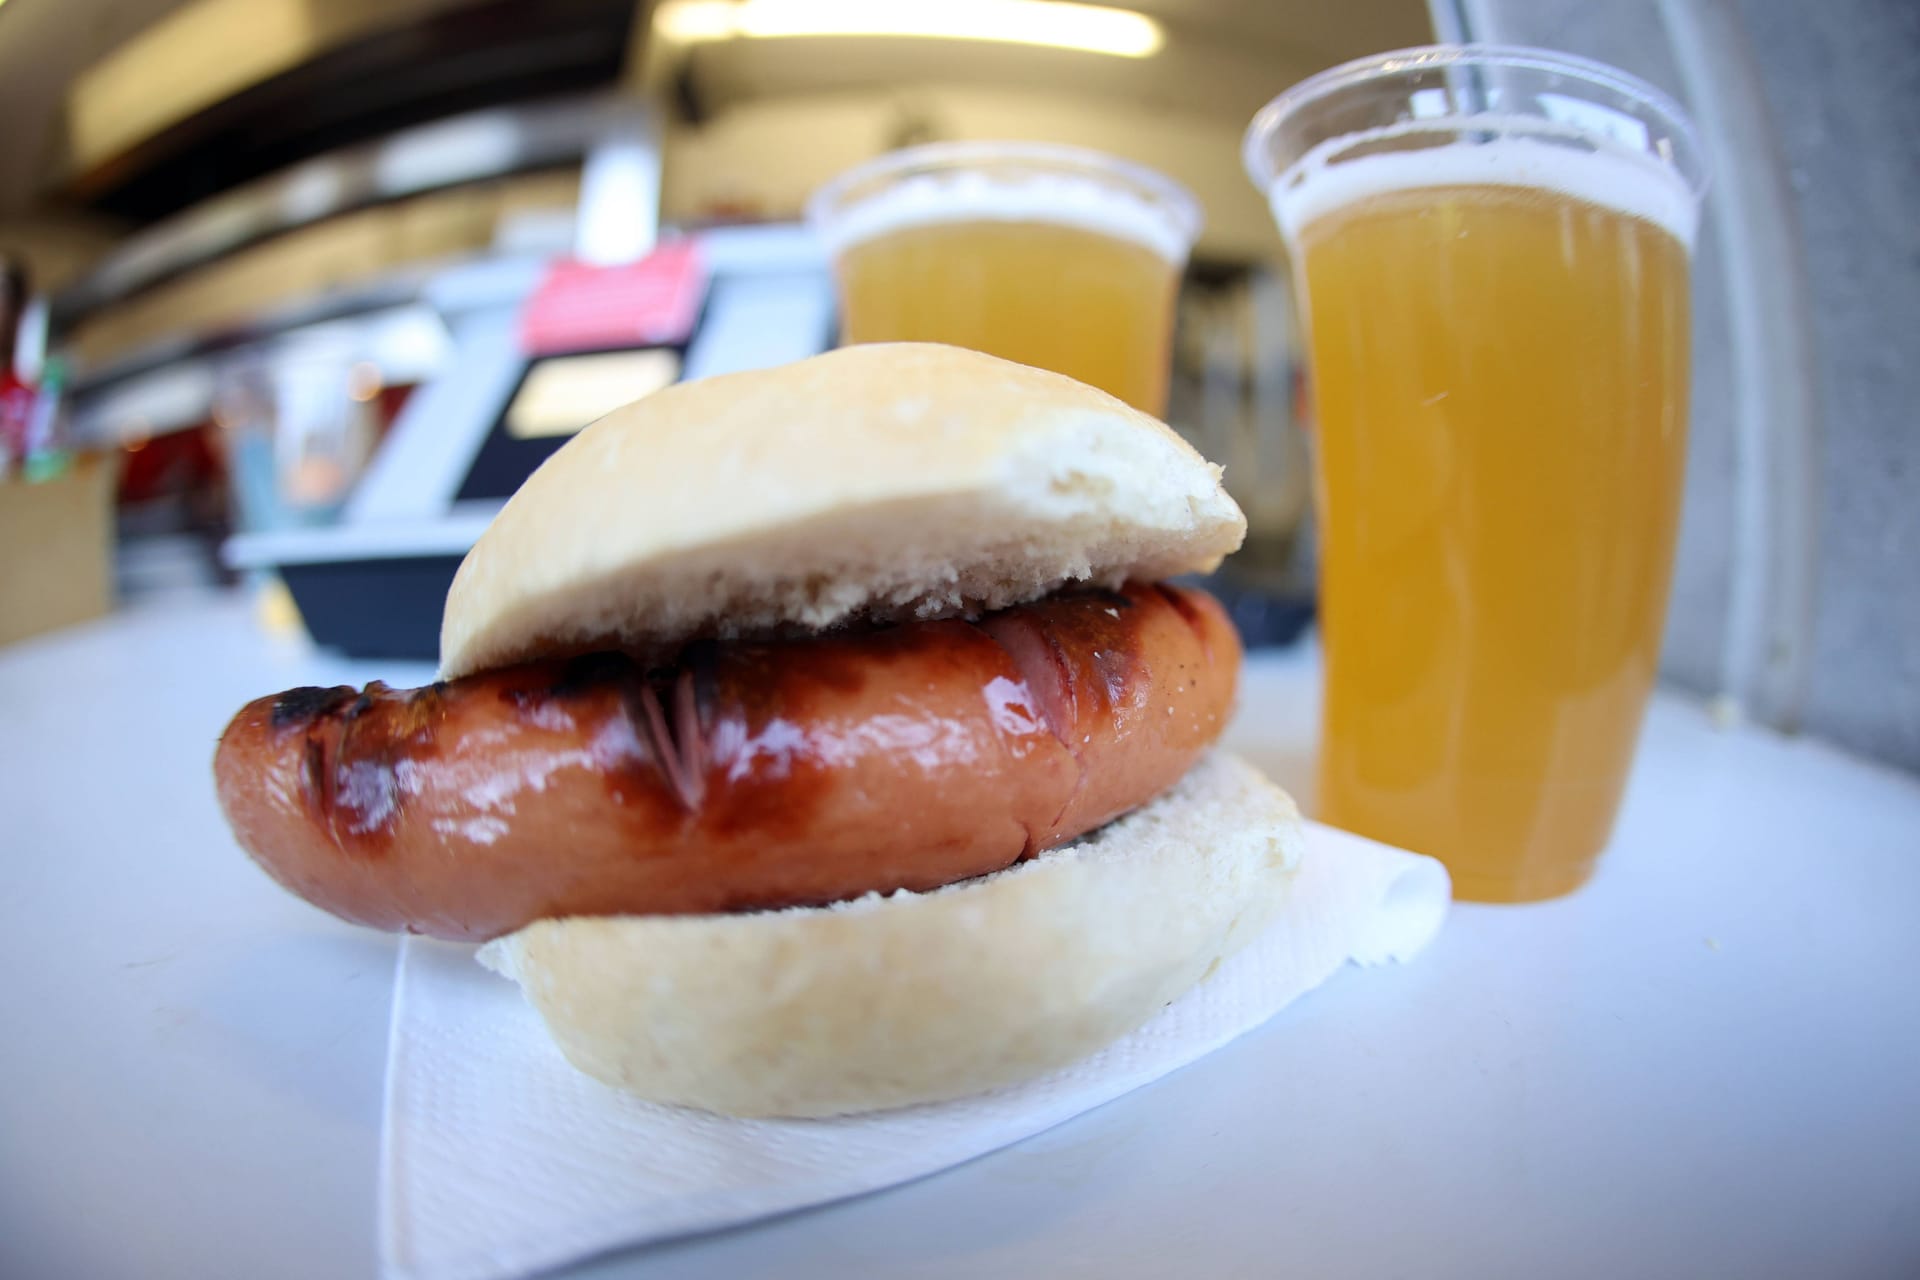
{"points": [[1706, 1063]]}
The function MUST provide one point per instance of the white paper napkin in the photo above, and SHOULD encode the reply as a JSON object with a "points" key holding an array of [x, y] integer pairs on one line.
{"points": [[499, 1159]]}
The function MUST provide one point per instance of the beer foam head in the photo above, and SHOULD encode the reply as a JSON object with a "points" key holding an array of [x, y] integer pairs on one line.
{"points": [[974, 196], [1630, 182]]}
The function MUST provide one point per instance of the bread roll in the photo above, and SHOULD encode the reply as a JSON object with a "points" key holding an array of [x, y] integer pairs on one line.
{"points": [[883, 1002], [883, 481]]}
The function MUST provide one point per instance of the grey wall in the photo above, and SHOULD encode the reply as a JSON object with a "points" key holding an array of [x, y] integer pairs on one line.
{"points": [[1843, 89], [1840, 89]]}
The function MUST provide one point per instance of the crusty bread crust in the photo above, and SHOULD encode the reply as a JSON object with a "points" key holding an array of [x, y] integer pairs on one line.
{"points": [[882, 1002], [890, 481]]}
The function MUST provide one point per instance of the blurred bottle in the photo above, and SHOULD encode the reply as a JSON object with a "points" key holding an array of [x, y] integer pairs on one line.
{"points": [[16, 394], [46, 453]]}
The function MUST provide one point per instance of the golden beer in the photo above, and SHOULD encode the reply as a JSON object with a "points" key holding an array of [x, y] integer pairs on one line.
{"points": [[1065, 264], [1498, 343]]}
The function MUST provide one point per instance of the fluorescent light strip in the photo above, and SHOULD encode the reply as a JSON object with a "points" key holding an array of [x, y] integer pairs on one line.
{"points": [[1086, 27]]}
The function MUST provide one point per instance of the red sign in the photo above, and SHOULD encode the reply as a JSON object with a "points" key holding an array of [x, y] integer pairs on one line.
{"points": [[650, 303]]}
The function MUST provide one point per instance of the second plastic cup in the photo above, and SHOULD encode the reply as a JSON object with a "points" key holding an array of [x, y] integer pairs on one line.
{"points": [[1051, 256]]}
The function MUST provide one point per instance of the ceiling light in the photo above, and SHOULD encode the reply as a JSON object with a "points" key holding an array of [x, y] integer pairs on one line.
{"points": [[1086, 27]]}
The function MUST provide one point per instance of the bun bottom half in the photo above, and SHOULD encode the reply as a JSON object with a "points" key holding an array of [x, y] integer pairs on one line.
{"points": [[889, 1001]]}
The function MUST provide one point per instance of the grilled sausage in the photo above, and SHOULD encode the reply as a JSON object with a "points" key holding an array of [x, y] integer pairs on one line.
{"points": [[745, 775]]}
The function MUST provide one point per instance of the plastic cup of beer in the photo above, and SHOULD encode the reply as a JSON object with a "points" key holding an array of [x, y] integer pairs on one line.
{"points": [[1053, 256], [1491, 250]]}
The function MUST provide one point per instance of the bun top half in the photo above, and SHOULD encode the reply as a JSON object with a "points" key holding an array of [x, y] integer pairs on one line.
{"points": [[885, 481]]}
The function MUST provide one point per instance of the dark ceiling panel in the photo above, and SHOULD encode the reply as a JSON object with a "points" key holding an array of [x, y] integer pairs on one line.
{"points": [[486, 54]]}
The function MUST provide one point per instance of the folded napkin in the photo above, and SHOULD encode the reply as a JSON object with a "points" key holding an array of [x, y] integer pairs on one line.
{"points": [[499, 1159]]}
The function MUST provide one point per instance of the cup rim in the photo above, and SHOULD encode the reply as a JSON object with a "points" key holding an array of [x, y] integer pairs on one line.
{"points": [[1381, 66], [1182, 209]]}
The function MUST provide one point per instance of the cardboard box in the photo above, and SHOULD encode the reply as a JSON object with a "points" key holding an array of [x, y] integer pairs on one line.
{"points": [[56, 549]]}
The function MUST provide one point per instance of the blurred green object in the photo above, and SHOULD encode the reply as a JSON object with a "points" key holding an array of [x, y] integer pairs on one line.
{"points": [[46, 459], [49, 464]]}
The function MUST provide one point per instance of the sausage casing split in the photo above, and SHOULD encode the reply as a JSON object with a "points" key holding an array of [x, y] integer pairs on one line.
{"points": [[746, 775]]}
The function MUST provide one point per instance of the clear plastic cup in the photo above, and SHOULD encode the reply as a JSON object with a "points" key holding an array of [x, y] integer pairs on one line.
{"points": [[1491, 248], [1052, 256]]}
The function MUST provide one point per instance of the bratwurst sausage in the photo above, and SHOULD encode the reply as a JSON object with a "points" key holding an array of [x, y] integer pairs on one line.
{"points": [[745, 775]]}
